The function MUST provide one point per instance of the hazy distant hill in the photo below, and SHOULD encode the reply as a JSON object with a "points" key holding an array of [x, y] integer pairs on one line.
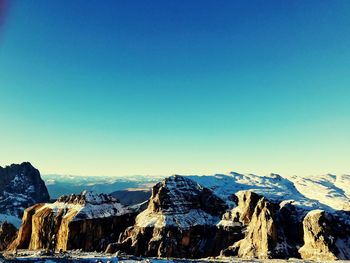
{"points": [[58, 185], [132, 196]]}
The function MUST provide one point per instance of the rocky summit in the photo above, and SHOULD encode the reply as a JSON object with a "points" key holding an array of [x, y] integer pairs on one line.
{"points": [[87, 221], [20, 187], [180, 221]]}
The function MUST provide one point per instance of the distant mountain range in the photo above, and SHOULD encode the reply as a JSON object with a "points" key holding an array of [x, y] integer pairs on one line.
{"points": [[329, 192], [58, 185], [191, 216]]}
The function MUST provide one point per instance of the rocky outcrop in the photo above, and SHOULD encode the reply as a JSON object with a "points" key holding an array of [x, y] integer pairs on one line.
{"points": [[325, 237], [87, 221], [20, 187], [180, 221], [261, 236], [266, 226], [25, 232], [7, 234]]}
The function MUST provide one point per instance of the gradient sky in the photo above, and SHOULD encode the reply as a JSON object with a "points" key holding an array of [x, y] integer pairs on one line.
{"points": [[161, 87]]}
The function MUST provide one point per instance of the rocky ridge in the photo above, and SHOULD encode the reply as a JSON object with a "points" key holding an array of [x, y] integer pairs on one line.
{"points": [[255, 228], [180, 221], [87, 221]]}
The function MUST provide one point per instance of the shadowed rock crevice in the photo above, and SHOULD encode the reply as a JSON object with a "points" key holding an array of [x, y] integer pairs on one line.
{"points": [[7, 234]]}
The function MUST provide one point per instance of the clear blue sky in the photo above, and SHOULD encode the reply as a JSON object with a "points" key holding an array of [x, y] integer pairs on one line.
{"points": [[162, 87]]}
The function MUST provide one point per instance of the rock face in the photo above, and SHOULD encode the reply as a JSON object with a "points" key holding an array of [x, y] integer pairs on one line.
{"points": [[7, 234], [180, 221], [325, 237], [87, 221], [266, 226], [20, 187], [261, 237]]}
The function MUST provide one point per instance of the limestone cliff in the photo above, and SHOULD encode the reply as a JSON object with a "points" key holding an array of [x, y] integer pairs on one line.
{"points": [[180, 221], [261, 237], [87, 221], [265, 226], [325, 237]]}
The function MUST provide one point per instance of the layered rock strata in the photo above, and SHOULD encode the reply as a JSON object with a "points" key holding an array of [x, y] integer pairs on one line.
{"points": [[87, 221], [180, 221]]}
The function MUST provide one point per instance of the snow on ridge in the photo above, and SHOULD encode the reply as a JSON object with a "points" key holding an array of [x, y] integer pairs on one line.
{"points": [[193, 217], [178, 205], [328, 192], [88, 205], [333, 191]]}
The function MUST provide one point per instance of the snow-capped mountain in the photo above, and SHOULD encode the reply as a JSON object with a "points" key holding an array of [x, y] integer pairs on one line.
{"points": [[185, 218], [330, 192], [180, 221], [20, 187]]}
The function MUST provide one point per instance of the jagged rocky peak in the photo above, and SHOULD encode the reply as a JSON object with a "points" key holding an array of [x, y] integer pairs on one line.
{"points": [[85, 197], [326, 237], [180, 201], [261, 236], [278, 229], [180, 221], [266, 227], [88, 205], [179, 194], [87, 221], [20, 187], [242, 213], [246, 204]]}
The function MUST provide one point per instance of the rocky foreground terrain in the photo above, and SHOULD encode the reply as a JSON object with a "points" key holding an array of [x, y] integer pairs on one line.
{"points": [[222, 216]]}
